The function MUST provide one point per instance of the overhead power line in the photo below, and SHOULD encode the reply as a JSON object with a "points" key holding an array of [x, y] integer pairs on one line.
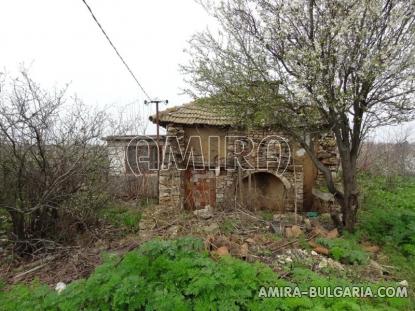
{"points": [[116, 51]]}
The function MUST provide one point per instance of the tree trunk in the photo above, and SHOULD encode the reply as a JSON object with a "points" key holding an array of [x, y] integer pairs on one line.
{"points": [[18, 225], [349, 207], [350, 201], [22, 247]]}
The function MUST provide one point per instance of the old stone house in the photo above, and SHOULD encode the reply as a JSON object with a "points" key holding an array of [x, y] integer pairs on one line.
{"points": [[210, 159]]}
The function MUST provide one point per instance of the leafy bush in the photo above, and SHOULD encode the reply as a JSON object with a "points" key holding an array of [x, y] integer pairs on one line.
{"points": [[345, 249], [386, 226], [388, 214], [179, 275]]}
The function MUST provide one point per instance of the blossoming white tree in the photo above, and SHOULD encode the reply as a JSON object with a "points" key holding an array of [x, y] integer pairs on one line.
{"points": [[346, 64]]}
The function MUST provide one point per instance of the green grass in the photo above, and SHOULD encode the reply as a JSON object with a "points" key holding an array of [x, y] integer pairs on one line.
{"points": [[123, 215], [227, 226], [397, 194], [267, 215], [387, 216], [179, 275]]}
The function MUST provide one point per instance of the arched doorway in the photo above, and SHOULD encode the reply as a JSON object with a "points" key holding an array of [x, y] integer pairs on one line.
{"points": [[264, 191]]}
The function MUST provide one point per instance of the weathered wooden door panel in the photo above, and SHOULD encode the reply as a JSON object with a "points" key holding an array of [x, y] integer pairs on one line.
{"points": [[199, 189]]}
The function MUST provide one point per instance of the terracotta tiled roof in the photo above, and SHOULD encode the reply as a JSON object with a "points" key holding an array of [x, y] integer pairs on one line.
{"points": [[129, 138], [195, 113]]}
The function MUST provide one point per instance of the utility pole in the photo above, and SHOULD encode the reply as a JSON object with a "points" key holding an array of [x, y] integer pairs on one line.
{"points": [[157, 102]]}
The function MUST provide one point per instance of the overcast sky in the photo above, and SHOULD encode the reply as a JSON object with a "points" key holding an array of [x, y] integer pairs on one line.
{"points": [[60, 43]]}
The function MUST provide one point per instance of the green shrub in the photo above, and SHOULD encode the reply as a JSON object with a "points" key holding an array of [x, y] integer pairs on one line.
{"points": [[179, 275], [384, 226], [345, 249]]}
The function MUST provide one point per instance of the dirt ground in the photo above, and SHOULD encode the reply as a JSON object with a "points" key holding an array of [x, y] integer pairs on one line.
{"points": [[276, 240]]}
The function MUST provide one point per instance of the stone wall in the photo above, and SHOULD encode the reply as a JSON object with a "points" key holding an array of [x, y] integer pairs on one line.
{"points": [[326, 150], [172, 188]]}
